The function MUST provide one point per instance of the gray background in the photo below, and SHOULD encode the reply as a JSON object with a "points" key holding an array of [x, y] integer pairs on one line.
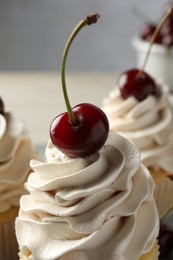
{"points": [[33, 33]]}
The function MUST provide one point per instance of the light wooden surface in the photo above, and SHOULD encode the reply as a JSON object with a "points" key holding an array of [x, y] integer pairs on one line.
{"points": [[37, 97]]}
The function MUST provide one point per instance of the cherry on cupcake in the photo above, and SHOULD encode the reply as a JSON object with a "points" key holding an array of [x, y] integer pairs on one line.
{"points": [[136, 83], [83, 137], [82, 130], [1, 106]]}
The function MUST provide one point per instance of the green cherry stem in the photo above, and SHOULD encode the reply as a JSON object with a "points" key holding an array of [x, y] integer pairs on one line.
{"points": [[86, 21]]}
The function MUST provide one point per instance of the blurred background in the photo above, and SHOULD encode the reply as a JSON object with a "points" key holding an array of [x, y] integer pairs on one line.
{"points": [[33, 33]]}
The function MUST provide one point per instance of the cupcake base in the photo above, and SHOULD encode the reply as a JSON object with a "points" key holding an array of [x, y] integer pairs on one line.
{"points": [[163, 193], [152, 255], [8, 242], [25, 255]]}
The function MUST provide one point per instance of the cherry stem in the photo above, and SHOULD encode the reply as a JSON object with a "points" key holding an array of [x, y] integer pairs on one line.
{"points": [[163, 20], [86, 21]]}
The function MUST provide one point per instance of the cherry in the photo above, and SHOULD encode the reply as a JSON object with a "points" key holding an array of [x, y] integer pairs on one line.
{"points": [[83, 138], [83, 130], [1, 106], [136, 83], [147, 31]]}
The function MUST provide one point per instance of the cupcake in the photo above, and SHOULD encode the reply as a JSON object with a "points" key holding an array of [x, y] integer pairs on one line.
{"points": [[89, 208], [88, 200], [15, 154], [148, 122]]}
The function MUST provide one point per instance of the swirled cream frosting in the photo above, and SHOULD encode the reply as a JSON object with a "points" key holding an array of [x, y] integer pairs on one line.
{"points": [[149, 124], [15, 153], [99, 207]]}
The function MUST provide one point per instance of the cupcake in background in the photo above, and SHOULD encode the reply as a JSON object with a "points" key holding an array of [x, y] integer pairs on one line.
{"points": [[149, 124], [140, 109], [16, 151]]}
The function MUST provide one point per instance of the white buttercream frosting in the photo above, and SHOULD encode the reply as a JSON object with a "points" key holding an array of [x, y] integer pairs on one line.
{"points": [[99, 207], [148, 123], [15, 153]]}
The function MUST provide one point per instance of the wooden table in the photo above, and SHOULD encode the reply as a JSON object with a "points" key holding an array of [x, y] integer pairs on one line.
{"points": [[37, 97]]}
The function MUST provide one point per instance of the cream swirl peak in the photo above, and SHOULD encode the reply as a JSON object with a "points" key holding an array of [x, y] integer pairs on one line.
{"points": [[88, 208], [15, 154], [147, 123]]}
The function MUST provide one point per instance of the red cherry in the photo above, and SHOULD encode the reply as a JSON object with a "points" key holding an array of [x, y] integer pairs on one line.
{"points": [[1, 106], [83, 138], [136, 83], [147, 31]]}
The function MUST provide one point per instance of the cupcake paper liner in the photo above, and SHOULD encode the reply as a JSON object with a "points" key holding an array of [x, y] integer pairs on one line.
{"points": [[152, 255], [8, 242], [24, 256], [163, 193]]}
